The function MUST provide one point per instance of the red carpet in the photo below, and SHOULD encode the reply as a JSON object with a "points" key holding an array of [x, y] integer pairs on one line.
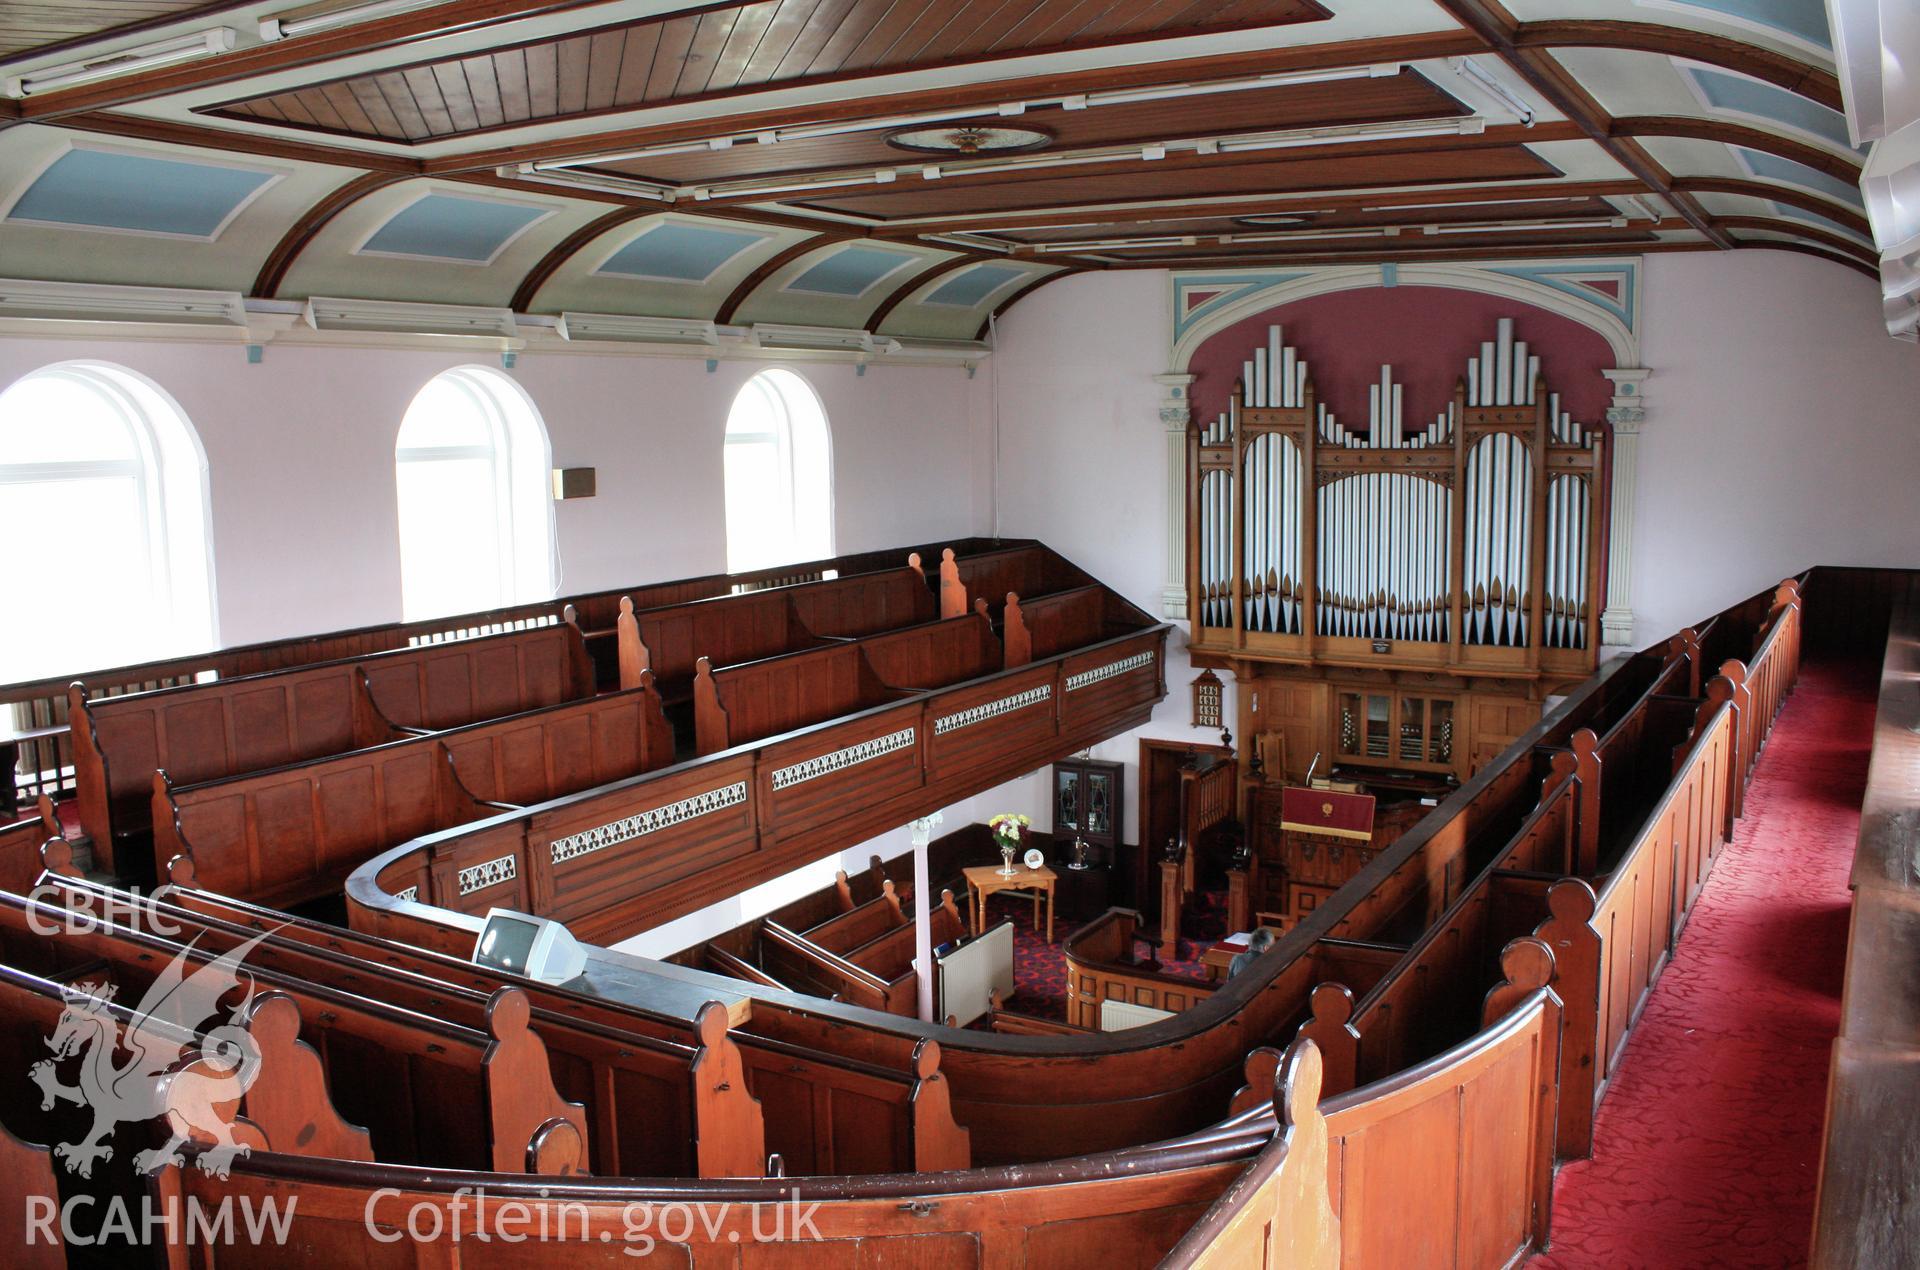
{"points": [[1706, 1150]]}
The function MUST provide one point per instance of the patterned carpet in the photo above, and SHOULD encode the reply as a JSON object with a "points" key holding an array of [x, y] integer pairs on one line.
{"points": [[1706, 1149], [1040, 968]]}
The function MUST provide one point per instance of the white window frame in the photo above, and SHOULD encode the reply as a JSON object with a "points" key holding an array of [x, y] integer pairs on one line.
{"points": [[523, 575], [809, 532]]}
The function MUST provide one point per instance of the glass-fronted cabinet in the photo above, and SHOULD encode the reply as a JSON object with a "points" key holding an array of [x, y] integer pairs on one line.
{"points": [[1087, 804], [1395, 729]]}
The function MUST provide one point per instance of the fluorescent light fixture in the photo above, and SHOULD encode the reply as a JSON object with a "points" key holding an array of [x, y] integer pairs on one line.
{"points": [[636, 330], [88, 302], [1477, 202], [1117, 244], [1469, 126], [782, 335], [1493, 227], [968, 240], [308, 22], [1467, 68], [1168, 92], [1005, 109], [629, 187], [144, 57], [326, 313]]}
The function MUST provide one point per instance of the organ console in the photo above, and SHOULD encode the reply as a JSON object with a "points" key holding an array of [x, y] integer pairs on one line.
{"points": [[1452, 563]]}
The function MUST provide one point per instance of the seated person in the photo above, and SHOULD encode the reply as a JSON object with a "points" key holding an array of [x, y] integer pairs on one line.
{"points": [[1261, 941]]}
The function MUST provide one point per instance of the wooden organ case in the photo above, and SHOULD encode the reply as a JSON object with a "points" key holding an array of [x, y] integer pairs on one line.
{"points": [[1418, 584], [1396, 602]]}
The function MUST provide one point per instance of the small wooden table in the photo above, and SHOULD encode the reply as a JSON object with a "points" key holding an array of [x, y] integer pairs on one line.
{"points": [[986, 879], [1219, 958]]}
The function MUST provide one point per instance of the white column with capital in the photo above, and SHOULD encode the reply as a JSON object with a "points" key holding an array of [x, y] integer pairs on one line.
{"points": [[1176, 410], [922, 912], [1626, 413]]}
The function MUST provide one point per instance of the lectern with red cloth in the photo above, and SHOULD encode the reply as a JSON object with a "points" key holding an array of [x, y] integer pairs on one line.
{"points": [[1326, 838]]}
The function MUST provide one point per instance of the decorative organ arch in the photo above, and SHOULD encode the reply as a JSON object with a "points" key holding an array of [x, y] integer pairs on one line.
{"points": [[1468, 544]]}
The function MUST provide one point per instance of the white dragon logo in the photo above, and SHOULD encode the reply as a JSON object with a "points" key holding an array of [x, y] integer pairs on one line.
{"points": [[220, 1064]]}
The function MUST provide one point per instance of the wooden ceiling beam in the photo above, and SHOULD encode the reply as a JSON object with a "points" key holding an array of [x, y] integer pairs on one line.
{"points": [[1490, 21], [939, 269], [1812, 233], [1768, 244], [999, 222], [1805, 200], [563, 251], [440, 21], [772, 265], [1734, 134], [983, 93], [1812, 82], [1021, 292], [1494, 138], [228, 141], [316, 218], [1525, 251]]}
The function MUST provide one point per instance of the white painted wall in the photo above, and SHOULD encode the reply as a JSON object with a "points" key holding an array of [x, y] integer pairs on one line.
{"points": [[300, 450], [1783, 430]]}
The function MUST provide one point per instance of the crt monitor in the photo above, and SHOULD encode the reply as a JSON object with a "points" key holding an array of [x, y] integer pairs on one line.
{"points": [[522, 944]]}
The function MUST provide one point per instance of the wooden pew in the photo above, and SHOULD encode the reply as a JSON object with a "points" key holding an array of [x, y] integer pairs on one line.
{"points": [[428, 1091], [295, 832], [762, 699], [861, 923], [936, 654], [1031, 571], [1046, 626], [229, 727], [814, 970], [20, 844], [1101, 967], [285, 1099], [823, 1113]]}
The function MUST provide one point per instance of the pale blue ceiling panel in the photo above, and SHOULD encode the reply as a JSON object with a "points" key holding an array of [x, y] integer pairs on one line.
{"points": [[675, 252], [850, 271], [449, 227], [1764, 101], [1802, 19], [1815, 218], [1772, 167], [110, 189], [970, 286]]}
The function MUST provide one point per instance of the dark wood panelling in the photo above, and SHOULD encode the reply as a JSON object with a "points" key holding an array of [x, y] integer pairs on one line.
{"points": [[1342, 169], [730, 49], [1480, 208], [1403, 96], [48, 24]]}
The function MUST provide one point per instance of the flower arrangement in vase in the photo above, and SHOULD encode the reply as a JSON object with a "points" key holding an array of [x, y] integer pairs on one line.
{"points": [[1008, 828]]}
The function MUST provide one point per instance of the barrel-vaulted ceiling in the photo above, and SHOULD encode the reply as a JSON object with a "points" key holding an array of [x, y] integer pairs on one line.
{"points": [[907, 167]]}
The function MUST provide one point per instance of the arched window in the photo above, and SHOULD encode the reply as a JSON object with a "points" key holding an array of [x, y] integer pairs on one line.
{"points": [[98, 460], [779, 474], [476, 516]]}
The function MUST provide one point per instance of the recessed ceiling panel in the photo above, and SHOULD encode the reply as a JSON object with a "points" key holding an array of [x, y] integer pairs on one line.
{"points": [[851, 271], [1815, 218], [969, 287], [87, 188], [1771, 167], [676, 252], [728, 48], [1763, 101], [453, 228], [1802, 19]]}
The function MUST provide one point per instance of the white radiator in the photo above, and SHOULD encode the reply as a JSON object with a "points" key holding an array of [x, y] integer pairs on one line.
{"points": [[1117, 1016], [971, 973]]}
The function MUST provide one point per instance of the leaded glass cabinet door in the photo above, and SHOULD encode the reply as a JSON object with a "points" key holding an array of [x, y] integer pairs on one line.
{"points": [[1087, 803]]}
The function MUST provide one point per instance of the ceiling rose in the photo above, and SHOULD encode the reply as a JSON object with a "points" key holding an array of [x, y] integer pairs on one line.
{"points": [[969, 139]]}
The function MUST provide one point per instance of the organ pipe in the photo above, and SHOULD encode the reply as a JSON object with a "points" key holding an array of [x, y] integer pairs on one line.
{"points": [[1505, 472]]}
